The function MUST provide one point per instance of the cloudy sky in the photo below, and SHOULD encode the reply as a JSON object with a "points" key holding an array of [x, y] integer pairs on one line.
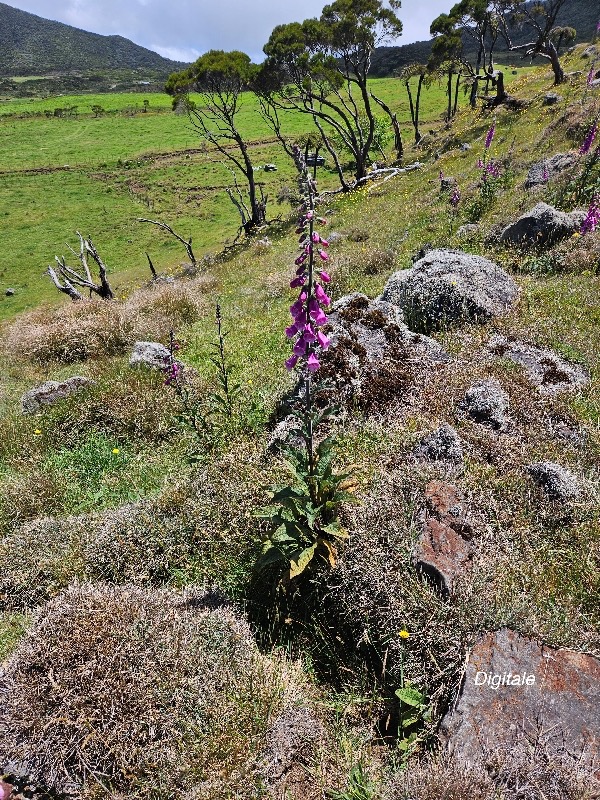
{"points": [[183, 29]]}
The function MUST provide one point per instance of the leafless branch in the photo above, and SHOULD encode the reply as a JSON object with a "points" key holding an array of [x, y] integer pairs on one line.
{"points": [[187, 243]]}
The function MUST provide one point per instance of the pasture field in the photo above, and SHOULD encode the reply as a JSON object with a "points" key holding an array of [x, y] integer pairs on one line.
{"points": [[98, 174]]}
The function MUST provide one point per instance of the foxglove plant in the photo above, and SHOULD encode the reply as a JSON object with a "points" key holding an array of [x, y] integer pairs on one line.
{"points": [[303, 516], [589, 140], [491, 173], [592, 218]]}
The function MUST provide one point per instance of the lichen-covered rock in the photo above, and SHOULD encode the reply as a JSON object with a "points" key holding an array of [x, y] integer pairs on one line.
{"points": [[468, 230], [555, 481], [486, 403], [546, 369], [543, 225], [443, 444], [515, 690], [543, 171], [150, 354], [444, 551], [293, 742], [448, 287], [551, 99], [373, 357], [51, 392]]}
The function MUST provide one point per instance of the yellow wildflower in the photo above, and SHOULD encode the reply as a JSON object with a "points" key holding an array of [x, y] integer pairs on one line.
{"points": [[115, 451], [37, 432], [404, 634]]}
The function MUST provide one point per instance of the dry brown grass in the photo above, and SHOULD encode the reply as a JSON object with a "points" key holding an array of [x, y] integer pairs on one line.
{"points": [[90, 329], [144, 693], [520, 774]]}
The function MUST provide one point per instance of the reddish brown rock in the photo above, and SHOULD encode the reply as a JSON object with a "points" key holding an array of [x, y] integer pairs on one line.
{"points": [[516, 691], [444, 550]]}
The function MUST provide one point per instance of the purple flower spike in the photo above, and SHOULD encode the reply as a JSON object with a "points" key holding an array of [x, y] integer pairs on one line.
{"points": [[321, 296], [455, 198], [300, 347], [313, 363], [297, 282], [323, 340], [325, 277], [592, 219], [490, 136], [308, 334], [291, 362], [589, 140]]}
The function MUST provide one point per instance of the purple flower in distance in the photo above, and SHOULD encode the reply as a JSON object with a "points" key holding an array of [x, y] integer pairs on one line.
{"points": [[592, 219], [545, 173], [455, 197], [590, 77], [589, 140], [490, 136]]}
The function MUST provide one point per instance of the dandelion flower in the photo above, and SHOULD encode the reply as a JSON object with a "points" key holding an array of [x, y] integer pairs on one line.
{"points": [[116, 451], [37, 432], [403, 634]]}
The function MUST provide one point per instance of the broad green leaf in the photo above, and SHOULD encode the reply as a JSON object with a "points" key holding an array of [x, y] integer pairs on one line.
{"points": [[297, 567], [410, 696]]}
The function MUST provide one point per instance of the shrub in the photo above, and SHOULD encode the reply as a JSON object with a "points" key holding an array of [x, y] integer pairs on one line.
{"points": [[151, 693], [95, 328]]}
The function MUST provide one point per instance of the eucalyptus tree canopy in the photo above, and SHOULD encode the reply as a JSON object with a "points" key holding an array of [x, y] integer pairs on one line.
{"points": [[537, 19], [320, 67], [222, 79]]}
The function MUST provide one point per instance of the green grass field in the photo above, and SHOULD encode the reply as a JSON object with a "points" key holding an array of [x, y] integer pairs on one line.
{"points": [[59, 175]]}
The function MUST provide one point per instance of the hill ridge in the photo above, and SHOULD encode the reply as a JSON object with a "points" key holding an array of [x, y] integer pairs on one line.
{"points": [[34, 45]]}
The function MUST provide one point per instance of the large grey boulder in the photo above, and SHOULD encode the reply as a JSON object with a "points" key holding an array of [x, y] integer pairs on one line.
{"points": [[555, 481], [448, 287], [373, 357], [542, 225], [544, 171], [486, 403], [51, 392], [515, 690], [545, 369], [150, 354]]}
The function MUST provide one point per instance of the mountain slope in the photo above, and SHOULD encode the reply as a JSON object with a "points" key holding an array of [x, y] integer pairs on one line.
{"points": [[31, 45]]}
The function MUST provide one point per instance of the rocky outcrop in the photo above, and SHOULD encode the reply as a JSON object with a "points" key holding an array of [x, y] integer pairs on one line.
{"points": [[373, 357], [544, 171], [443, 444], [544, 368], [444, 551], [447, 287], [555, 481], [516, 690], [150, 354], [486, 403], [51, 392], [543, 225]]}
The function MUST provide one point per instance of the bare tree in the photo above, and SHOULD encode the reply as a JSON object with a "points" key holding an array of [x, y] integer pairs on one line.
{"points": [[71, 278]]}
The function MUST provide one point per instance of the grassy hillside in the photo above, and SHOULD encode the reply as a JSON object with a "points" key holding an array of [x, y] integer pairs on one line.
{"points": [[31, 45], [114, 486]]}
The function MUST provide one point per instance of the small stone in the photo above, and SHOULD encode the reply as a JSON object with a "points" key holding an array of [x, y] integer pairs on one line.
{"points": [[444, 550], [468, 230], [551, 99], [487, 403], [555, 481], [270, 168], [9, 292], [51, 392], [443, 444], [150, 354], [447, 183], [544, 368], [465, 147], [513, 689], [542, 225]]}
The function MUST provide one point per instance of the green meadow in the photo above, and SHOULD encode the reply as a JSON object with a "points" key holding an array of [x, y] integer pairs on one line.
{"points": [[97, 174]]}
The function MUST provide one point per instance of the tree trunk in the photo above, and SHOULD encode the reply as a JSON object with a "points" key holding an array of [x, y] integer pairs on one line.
{"points": [[500, 90], [449, 92], [559, 75], [455, 109]]}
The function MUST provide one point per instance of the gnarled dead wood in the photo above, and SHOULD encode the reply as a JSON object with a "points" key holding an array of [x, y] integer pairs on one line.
{"points": [[72, 278]]}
